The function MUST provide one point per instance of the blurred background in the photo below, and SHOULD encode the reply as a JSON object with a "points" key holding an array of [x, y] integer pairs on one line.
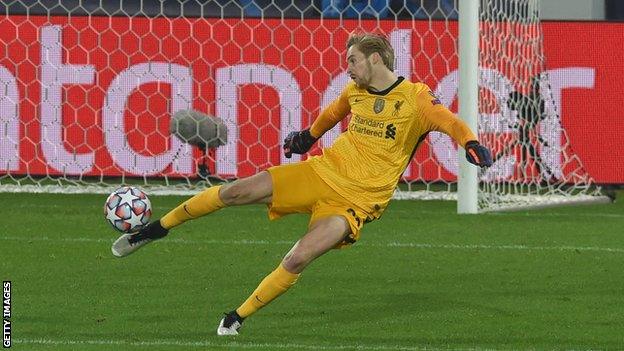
{"points": [[611, 10]]}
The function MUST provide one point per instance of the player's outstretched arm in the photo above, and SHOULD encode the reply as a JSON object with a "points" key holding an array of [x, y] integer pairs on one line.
{"points": [[478, 154], [439, 118]]}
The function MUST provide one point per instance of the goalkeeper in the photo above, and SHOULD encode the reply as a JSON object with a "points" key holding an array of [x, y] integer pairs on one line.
{"points": [[531, 111], [348, 186]]}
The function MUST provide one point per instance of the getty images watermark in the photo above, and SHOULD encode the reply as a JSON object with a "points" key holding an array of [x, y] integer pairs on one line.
{"points": [[6, 314]]}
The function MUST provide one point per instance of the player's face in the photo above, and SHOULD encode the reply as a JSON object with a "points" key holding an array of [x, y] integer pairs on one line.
{"points": [[359, 67]]}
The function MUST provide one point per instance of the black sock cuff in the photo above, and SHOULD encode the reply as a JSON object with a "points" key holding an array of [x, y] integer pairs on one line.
{"points": [[238, 316], [155, 230]]}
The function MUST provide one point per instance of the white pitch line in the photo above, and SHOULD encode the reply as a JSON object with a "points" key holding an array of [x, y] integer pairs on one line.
{"points": [[528, 213], [386, 245], [416, 212], [169, 241], [500, 247], [229, 345]]}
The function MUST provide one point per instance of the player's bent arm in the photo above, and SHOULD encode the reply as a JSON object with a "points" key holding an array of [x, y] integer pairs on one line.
{"points": [[300, 142], [330, 116]]}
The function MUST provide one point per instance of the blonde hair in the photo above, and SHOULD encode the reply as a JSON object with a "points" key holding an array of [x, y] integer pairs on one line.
{"points": [[369, 43]]}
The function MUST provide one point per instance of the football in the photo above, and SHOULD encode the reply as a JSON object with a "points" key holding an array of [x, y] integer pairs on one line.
{"points": [[128, 209]]}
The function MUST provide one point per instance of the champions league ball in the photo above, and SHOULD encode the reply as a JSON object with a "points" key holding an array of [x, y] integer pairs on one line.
{"points": [[128, 209]]}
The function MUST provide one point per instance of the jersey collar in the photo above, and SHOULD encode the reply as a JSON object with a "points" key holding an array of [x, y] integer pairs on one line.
{"points": [[388, 89]]}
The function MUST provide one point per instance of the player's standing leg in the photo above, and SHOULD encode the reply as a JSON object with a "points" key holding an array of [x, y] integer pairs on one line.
{"points": [[323, 235], [525, 144], [255, 189]]}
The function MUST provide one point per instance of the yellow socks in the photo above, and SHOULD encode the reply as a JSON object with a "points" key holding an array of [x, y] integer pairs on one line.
{"points": [[272, 286], [201, 204]]}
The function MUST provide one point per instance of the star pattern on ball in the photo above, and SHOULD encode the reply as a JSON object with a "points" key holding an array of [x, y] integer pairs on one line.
{"points": [[111, 216], [128, 209], [126, 197], [135, 220]]}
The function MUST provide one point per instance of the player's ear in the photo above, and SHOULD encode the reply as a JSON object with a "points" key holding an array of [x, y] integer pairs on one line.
{"points": [[379, 59], [375, 57]]}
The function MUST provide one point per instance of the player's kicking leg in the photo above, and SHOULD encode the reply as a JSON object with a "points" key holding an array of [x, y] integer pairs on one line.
{"points": [[322, 236], [255, 189]]}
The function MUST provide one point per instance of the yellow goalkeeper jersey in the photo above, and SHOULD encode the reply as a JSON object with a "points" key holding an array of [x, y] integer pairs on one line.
{"points": [[366, 161]]}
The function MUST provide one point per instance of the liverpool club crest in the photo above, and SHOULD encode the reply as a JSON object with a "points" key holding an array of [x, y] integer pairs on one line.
{"points": [[379, 105]]}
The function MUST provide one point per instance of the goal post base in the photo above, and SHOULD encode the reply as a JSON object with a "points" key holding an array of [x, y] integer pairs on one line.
{"points": [[510, 202]]}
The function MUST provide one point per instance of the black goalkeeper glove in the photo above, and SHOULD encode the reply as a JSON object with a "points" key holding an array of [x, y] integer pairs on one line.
{"points": [[298, 142], [478, 154]]}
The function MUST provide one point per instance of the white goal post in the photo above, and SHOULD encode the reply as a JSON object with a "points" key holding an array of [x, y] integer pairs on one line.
{"points": [[468, 95], [88, 90]]}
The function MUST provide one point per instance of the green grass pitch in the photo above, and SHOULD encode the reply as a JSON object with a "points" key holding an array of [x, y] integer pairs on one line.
{"points": [[421, 278]]}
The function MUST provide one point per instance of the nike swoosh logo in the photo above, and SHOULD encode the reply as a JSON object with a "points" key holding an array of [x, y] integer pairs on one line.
{"points": [[358, 100], [187, 211], [256, 296]]}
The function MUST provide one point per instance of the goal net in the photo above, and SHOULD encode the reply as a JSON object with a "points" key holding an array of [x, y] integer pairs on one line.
{"points": [[88, 90], [534, 162]]}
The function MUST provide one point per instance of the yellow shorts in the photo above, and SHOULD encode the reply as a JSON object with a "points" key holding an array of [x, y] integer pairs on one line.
{"points": [[297, 188]]}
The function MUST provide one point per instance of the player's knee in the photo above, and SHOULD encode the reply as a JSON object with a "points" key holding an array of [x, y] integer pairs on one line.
{"points": [[247, 190], [296, 261], [234, 194]]}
